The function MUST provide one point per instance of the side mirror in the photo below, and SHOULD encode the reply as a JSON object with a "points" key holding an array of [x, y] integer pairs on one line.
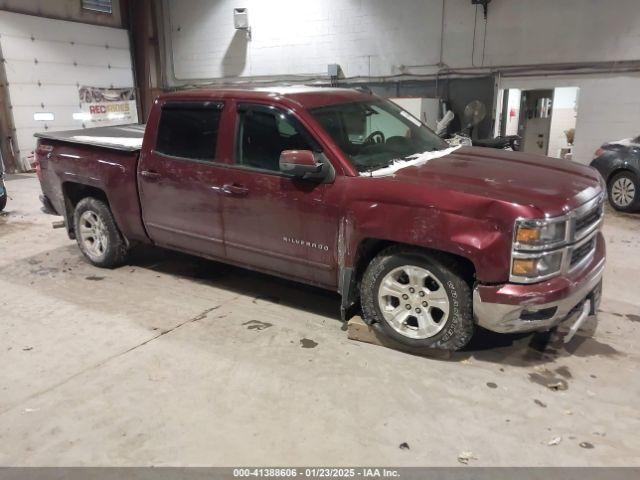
{"points": [[302, 164]]}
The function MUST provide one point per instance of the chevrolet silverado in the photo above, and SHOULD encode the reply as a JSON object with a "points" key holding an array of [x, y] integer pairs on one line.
{"points": [[344, 190]]}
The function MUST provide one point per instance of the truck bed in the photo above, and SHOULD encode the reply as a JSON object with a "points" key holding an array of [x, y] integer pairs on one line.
{"points": [[103, 158], [120, 137]]}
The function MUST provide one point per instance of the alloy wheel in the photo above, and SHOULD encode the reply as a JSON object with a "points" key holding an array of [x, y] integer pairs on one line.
{"points": [[93, 234], [623, 192], [413, 302]]}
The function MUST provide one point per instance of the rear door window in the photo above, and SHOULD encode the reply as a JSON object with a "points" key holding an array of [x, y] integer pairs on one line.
{"points": [[189, 130]]}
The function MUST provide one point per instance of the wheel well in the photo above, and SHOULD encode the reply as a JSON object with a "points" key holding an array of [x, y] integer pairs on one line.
{"points": [[73, 193], [371, 247], [617, 171], [367, 250]]}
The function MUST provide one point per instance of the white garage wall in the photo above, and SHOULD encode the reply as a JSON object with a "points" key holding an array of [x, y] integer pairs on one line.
{"points": [[376, 37], [47, 60], [292, 37], [608, 108]]}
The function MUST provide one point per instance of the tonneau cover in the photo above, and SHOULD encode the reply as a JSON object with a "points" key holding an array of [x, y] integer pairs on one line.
{"points": [[119, 137]]}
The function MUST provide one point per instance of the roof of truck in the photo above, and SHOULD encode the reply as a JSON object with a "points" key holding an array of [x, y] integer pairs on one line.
{"points": [[303, 95]]}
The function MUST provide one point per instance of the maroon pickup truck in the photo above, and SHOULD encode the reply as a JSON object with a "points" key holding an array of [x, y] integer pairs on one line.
{"points": [[343, 190]]}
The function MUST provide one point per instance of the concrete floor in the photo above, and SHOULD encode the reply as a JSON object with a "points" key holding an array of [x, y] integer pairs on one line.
{"points": [[173, 360]]}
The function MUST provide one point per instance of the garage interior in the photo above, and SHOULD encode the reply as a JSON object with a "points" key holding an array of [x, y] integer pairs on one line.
{"points": [[174, 360]]}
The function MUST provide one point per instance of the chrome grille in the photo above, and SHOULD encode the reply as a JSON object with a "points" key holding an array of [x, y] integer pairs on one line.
{"points": [[582, 251], [587, 221]]}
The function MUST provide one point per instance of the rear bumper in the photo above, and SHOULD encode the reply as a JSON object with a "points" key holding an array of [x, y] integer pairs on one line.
{"points": [[511, 307]]}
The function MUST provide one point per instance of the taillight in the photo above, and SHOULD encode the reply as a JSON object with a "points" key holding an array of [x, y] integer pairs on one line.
{"points": [[42, 151], [599, 152], [36, 164]]}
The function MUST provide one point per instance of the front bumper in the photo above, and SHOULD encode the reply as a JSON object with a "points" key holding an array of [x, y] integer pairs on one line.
{"points": [[511, 307]]}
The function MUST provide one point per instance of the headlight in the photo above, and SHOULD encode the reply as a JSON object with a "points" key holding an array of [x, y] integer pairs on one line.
{"points": [[537, 249], [536, 234], [538, 267], [547, 247]]}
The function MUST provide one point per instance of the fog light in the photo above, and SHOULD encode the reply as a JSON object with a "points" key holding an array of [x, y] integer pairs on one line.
{"points": [[542, 314]]}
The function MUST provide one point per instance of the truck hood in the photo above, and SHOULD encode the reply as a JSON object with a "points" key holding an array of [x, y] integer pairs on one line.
{"points": [[551, 185]]}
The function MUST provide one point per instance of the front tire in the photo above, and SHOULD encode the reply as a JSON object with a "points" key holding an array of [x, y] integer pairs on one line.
{"points": [[417, 299], [97, 234], [624, 192]]}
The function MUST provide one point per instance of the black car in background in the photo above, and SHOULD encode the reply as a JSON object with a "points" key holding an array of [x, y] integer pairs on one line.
{"points": [[3, 190], [619, 164]]}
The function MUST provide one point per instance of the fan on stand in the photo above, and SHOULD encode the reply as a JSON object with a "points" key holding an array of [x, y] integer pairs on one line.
{"points": [[474, 113]]}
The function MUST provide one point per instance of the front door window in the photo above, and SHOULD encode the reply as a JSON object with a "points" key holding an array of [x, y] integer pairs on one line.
{"points": [[263, 134]]}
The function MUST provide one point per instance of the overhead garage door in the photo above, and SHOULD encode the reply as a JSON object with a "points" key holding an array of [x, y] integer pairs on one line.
{"points": [[48, 64]]}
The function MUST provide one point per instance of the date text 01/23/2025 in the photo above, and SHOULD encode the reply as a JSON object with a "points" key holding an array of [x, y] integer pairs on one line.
{"points": [[316, 472]]}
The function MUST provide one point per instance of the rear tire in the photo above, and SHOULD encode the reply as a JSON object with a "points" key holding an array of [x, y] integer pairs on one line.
{"points": [[624, 192], [417, 299], [97, 234]]}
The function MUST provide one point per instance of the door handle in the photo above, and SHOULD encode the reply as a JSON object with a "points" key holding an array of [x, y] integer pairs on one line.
{"points": [[233, 190], [150, 174]]}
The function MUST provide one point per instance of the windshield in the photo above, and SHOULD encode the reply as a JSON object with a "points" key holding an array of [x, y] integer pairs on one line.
{"points": [[373, 134]]}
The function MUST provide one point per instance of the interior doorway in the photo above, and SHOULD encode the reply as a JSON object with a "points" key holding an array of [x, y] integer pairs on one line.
{"points": [[535, 120], [544, 118]]}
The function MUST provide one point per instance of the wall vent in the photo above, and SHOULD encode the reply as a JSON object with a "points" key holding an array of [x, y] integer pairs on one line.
{"points": [[102, 6]]}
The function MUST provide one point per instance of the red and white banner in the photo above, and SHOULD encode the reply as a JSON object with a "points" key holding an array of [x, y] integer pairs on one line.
{"points": [[110, 106]]}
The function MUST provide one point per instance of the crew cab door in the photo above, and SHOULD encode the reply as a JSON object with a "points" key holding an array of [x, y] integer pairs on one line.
{"points": [[179, 180], [273, 221]]}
